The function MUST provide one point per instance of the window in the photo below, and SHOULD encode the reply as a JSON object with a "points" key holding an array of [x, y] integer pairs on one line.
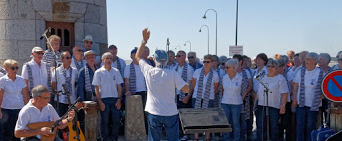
{"points": [[65, 31]]}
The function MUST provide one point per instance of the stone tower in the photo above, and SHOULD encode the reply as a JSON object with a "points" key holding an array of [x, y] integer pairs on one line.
{"points": [[22, 22]]}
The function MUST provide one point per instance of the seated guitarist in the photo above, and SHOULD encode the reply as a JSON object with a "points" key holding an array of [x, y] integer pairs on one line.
{"points": [[36, 110]]}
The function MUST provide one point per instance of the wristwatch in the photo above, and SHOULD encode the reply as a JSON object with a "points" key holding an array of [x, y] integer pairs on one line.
{"points": [[143, 41]]}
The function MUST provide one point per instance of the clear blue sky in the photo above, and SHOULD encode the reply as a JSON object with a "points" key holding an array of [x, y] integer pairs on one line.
{"points": [[269, 26]]}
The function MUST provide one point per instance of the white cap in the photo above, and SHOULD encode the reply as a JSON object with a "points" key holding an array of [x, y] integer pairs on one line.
{"points": [[88, 38]]}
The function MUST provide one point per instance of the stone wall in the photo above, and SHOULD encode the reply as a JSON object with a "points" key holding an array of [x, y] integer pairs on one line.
{"points": [[22, 22]]}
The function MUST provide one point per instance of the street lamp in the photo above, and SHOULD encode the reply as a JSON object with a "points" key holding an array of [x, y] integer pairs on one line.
{"points": [[208, 34], [236, 26], [187, 42], [204, 17], [179, 47]]}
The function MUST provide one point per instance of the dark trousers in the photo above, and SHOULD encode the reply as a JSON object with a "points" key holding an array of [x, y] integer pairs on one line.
{"points": [[285, 120], [261, 123], [114, 113], [306, 121], [7, 124], [180, 103]]}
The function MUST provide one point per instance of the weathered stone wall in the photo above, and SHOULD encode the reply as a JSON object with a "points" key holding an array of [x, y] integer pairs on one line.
{"points": [[22, 22]]}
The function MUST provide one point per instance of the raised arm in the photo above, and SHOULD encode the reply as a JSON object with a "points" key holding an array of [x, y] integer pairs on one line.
{"points": [[146, 36]]}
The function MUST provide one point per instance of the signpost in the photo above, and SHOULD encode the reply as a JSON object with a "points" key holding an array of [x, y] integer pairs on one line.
{"points": [[235, 50], [332, 86]]}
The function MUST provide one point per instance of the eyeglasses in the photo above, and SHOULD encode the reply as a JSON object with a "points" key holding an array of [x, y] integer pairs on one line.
{"points": [[46, 98], [191, 57], [179, 55], [340, 59], [207, 62], [228, 67], [39, 53], [270, 66], [79, 50], [108, 58], [222, 63], [15, 68], [88, 42], [67, 58]]}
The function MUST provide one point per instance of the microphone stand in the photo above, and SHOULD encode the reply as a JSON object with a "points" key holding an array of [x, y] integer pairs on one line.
{"points": [[266, 90], [55, 64]]}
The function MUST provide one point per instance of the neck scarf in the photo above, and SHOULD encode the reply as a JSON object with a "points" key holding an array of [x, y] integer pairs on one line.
{"points": [[317, 97], [218, 97], [206, 92], [88, 83], [246, 105], [29, 70], [78, 66], [132, 79], [184, 77]]}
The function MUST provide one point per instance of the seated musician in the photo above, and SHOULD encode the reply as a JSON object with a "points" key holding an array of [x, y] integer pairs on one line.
{"points": [[36, 110]]}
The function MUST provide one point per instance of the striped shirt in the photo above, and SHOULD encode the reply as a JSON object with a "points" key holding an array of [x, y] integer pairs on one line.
{"points": [[49, 59]]}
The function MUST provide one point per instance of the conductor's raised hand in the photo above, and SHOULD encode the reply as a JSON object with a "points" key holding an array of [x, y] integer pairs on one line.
{"points": [[146, 34]]}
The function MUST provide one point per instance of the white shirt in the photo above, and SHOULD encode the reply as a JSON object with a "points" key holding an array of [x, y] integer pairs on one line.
{"points": [[73, 63], [140, 79], [215, 79], [222, 73], [232, 90], [12, 96], [161, 85], [31, 114], [336, 67], [278, 86], [255, 81], [108, 81], [248, 74], [39, 73], [190, 72], [290, 77], [310, 83], [115, 65], [62, 80]]}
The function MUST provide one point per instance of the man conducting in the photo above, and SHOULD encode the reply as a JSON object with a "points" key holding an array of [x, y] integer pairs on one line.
{"points": [[161, 84]]}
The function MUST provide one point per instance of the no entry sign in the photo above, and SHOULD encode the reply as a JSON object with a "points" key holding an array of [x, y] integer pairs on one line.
{"points": [[332, 86]]}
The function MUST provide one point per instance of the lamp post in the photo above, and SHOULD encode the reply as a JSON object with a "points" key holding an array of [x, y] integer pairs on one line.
{"points": [[208, 34], [178, 47], [204, 17], [188, 42], [236, 28]]}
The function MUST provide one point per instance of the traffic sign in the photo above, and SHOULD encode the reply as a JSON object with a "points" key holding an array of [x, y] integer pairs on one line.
{"points": [[332, 86]]}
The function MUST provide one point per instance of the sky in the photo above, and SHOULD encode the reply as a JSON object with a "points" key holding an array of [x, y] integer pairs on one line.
{"points": [[264, 26]]}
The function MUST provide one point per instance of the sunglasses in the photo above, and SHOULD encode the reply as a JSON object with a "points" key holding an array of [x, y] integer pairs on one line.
{"points": [[179, 55], [340, 59], [46, 98], [89, 42], [80, 50], [15, 68], [39, 53], [207, 62], [222, 63], [191, 57], [270, 66], [67, 58], [228, 67]]}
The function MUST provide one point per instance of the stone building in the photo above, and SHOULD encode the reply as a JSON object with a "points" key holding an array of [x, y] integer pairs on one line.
{"points": [[22, 22]]}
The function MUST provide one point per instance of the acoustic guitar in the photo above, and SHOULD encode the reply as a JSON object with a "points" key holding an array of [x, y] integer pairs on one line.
{"points": [[39, 125], [75, 132]]}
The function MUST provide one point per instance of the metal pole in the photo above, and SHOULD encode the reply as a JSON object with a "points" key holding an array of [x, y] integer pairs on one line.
{"points": [[208, 34], [190, 44], [204, 17], [236, 30], [216, 35]]}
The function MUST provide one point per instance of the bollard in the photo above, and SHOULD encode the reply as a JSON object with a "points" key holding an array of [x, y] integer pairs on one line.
{"points": [[90, 119], [134, 118]]}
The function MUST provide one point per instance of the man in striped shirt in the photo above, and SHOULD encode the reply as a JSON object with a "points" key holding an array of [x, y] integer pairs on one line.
{"points": [[49, 57]]}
